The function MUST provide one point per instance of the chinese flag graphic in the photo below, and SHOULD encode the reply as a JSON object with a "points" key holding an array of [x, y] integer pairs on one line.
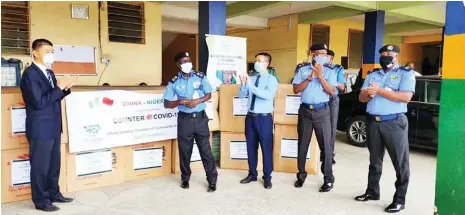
{"points": [[107, 101]]}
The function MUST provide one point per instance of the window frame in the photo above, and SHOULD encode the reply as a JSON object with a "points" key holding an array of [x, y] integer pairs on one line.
{"points": [[143, 38], [7, 49], [348, 49], [328, 36]]}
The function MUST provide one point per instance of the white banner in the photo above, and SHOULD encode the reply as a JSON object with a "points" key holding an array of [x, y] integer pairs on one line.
{"points": [[107, 119], [227, 59]]}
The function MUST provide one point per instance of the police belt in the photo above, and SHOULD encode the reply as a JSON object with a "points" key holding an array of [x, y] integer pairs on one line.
{"points": [[314, 107], [257, 114], [382, 118], [193, 114]]}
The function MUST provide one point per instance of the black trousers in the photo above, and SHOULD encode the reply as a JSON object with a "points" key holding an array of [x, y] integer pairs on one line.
{"points": [[334, 113], [392, 135], [190, 127], [309, 120], [45, 160]]}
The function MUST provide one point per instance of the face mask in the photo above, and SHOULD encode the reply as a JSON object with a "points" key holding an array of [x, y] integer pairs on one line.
{"points": [[321, 59], [49, 59], [186, 67], [259, 67], [386, 62]]}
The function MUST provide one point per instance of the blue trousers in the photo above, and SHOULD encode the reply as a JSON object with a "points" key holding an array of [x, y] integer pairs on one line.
{"points": [[259, 129]]}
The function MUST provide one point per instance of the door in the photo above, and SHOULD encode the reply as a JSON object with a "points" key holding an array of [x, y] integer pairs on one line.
{"points": [[428, 116]]}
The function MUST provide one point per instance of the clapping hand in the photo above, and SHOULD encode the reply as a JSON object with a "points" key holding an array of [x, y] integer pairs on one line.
{"points": [[373, 89]]}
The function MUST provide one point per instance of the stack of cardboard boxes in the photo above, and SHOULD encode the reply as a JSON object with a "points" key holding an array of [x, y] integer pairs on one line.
{"points": [[285, 136], [15, 150]]}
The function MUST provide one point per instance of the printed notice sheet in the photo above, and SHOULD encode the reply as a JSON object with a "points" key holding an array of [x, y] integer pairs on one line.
{"points": [[18, 120], [240, 106], [195, 153], [292, 105], [238, 150], [94, 162], [148, 158], [289, 148], [209, 109], [20, 172]]}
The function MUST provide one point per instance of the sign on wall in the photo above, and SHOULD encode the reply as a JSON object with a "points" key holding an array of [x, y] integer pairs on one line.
{"points": [[107, 119]]}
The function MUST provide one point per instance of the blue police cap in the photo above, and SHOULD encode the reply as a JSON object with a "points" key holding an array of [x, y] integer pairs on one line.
{"points": [[180, 55], [331, 53], [316, 47], [389, 47]]}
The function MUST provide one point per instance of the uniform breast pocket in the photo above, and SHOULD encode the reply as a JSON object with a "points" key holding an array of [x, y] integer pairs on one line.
{"points": [[394, 84], [181, 91]]}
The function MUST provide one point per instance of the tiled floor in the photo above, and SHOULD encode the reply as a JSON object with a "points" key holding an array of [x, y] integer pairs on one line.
{"points": [[162, 195]]}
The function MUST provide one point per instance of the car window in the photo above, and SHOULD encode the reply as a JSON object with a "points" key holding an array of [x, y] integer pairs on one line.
{"points": [[419, 95], [433, 92]]}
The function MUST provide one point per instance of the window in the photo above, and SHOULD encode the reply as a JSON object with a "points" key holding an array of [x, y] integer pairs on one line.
{"points": [[319, 34], [126, 23], [355, 51], [15, 27], [433, 92]]}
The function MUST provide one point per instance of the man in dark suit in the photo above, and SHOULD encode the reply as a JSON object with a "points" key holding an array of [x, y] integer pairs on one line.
{"points": [[42, 94]]}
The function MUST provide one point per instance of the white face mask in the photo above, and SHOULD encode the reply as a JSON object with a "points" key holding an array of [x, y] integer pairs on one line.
{"points": [[260, 67], [186, 67], [49, 59]]}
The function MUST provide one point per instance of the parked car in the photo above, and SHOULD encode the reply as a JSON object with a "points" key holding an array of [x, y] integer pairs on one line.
{"points": [[422, 114]]}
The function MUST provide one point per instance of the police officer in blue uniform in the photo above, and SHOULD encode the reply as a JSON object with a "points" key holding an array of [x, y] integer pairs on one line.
{"points": [[260, 90], [317, 83], [188, 91], [387, 91], [334, 100]]}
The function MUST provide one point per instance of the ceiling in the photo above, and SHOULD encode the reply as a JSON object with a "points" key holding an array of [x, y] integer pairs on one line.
{"points": [[388, 19], [289, 8]]}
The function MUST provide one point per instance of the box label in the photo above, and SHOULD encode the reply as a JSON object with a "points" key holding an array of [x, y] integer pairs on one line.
{"points": [[292, 105], [195, 153], [94, 162], [20, 172], [289, 148], [240, 107], [18, 120], [238, 150], [209, 109], [148, 158]]}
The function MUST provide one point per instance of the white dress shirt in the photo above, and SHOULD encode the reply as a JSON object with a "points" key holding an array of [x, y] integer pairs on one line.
{"points": [[43, 68]]}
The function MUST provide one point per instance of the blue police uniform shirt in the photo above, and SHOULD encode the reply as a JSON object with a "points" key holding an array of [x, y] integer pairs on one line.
{"points": [[341, 79], [396, 79], [314, 92], [264, 92], [196, 86]]}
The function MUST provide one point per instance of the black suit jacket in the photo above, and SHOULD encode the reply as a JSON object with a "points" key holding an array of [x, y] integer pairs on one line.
{"points": [[43, 104]]}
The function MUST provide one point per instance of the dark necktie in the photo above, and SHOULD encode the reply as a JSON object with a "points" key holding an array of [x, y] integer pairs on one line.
{"points": [[253, 96], [49, 77]]}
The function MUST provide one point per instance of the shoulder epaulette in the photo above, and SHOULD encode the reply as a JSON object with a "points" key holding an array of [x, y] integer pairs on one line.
{"points": [[338, 66], [174, 79], [374, 70], [200, 74], [300, 65], [329, 66], [406, 68]]}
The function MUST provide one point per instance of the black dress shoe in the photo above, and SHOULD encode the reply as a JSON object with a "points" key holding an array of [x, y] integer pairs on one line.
{"points": [[299, 183], [185, 184], [248, 179], [394, 208], [62, 200], [48, 208], [268, 185], [366, 197], [326, 187], [211, 188]]}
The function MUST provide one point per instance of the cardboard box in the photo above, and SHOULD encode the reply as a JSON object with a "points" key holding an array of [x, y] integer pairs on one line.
{"points": [[286, 105], [228, 121], [234, 160], [285, 155], [214, 124], [22, 188], [145, 157], [94, 170], [12, 98], [196, 162]]}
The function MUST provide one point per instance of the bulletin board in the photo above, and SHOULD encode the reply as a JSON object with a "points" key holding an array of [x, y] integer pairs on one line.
{"points": [[74, 60]]}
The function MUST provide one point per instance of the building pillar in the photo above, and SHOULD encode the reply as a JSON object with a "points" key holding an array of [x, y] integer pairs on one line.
{"points": [[450, 172], [212, 20], [372, 40]]}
